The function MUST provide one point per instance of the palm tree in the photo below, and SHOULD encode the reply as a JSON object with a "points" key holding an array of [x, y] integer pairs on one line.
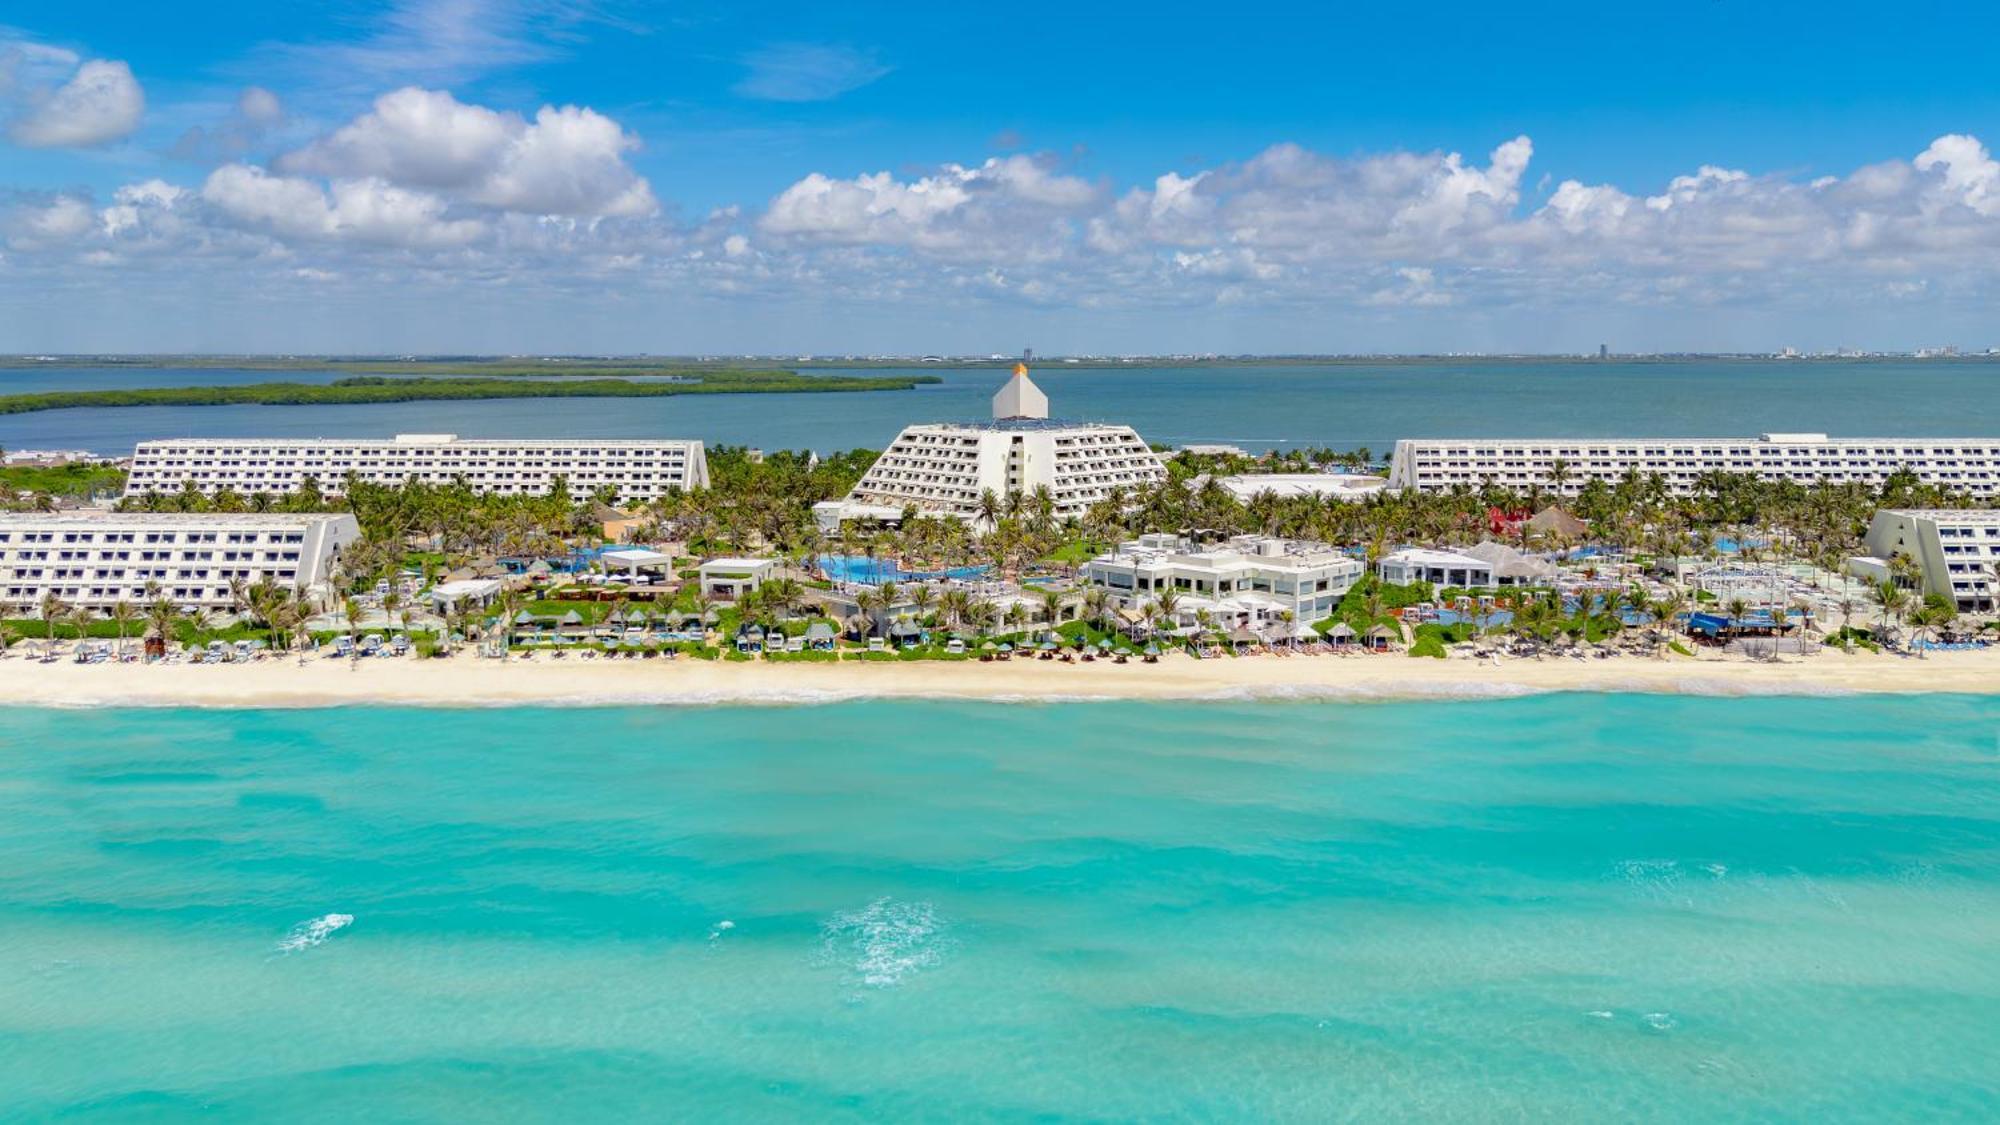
{"points": [[1891, 601], [123, 613], [1051, 607], [350, 609], [160, 618], [54, 609]]}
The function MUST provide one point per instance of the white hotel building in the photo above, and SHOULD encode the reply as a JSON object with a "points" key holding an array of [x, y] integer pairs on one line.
{"points": [[1957, 551], [945, 467], [1970, 465], [97, 559], [1247, 580], [640, 470]]}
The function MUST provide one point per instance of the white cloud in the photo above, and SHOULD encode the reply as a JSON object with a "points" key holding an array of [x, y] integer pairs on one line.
{"points": [[60, 220], [569, 161], [365, 210], [807, 72], [955, 210], [429, 42], [1970, 174], [99, 104], [424, 191], [260, 107]]}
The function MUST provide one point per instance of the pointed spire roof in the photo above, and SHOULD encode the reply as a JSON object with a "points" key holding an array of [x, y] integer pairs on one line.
{"points": [[1020, 398]]}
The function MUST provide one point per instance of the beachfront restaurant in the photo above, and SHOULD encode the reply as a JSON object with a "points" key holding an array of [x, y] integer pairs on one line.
{"points": [[1439, 568]]}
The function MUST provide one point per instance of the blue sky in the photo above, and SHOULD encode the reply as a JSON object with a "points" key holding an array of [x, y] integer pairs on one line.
{"points": [[779, 177]]}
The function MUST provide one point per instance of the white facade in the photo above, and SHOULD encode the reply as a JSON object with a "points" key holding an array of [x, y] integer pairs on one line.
{"points": [[1247, 580], [1971, 465], [1958, 551], [97, 559], [944, 468], [641, 470]]}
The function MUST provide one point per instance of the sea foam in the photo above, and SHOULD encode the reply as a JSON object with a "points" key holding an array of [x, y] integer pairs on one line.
{"points": [[885, 941], [314, 932]]}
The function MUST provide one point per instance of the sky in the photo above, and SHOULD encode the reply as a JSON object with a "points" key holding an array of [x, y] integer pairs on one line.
{"points": [[615, 176]]}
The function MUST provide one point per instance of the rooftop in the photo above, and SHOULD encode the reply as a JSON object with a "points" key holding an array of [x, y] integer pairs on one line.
{"points": [[1019, 425], [424, 440], [1425, 556], [102, 517], [1948, 515], [1766, 439]]}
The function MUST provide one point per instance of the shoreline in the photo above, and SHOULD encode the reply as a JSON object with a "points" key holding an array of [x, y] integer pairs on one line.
{"points": [[473, 683]]}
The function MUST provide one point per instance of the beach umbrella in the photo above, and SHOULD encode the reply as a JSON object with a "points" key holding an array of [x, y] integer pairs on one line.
{"points": [[1152, 650], [1105, 644], [571, 618], [524, 618], [1006, 648], [989, 646], [1048, 646]]}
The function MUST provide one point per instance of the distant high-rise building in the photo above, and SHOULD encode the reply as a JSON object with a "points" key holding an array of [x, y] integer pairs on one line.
{"points": [[1604, 351], [1027, 355]]}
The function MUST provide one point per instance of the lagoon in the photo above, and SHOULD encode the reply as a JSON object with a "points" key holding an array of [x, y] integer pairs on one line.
{"points": [[1257, 406]]}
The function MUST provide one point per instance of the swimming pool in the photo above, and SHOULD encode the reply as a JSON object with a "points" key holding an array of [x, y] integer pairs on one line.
{"points": [[874, 572]]}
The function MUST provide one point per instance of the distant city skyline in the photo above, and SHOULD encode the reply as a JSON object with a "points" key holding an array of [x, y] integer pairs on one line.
{"points": [[543, 177]]}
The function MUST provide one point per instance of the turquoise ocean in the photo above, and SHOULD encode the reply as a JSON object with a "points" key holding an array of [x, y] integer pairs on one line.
{"points": [[1561, 907]]}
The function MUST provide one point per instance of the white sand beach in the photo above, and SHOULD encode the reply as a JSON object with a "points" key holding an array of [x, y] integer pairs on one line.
{"points": [[471, 682]]}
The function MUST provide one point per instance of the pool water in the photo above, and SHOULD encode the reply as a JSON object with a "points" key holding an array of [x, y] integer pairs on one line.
{"points": [[874, 572]]}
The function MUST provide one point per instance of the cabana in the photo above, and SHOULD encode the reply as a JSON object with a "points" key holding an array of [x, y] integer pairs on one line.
{"points": [[640, 565], [730, 578], [819, 635], [1342, 634], [750, 638], [1379, 638]]}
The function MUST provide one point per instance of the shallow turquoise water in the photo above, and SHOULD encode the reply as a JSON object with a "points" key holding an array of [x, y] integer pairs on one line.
{"points": [[1552, 908]]}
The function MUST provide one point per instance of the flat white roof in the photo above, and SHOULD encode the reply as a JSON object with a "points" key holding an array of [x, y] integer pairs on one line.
{"points": [[464, 587], [636, 556], [738, 563], [413, 440], [1424, 556], [1773, 439], [98, 517], [1303, 484]]}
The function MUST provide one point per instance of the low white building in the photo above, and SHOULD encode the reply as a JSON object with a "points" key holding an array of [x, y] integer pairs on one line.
{"points": [[1971, 465], [1334, 486], [728, 579], [1248, 580], [1958, 552], [639, 470], [97, 559], [944, 468], [1439, 568]]}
